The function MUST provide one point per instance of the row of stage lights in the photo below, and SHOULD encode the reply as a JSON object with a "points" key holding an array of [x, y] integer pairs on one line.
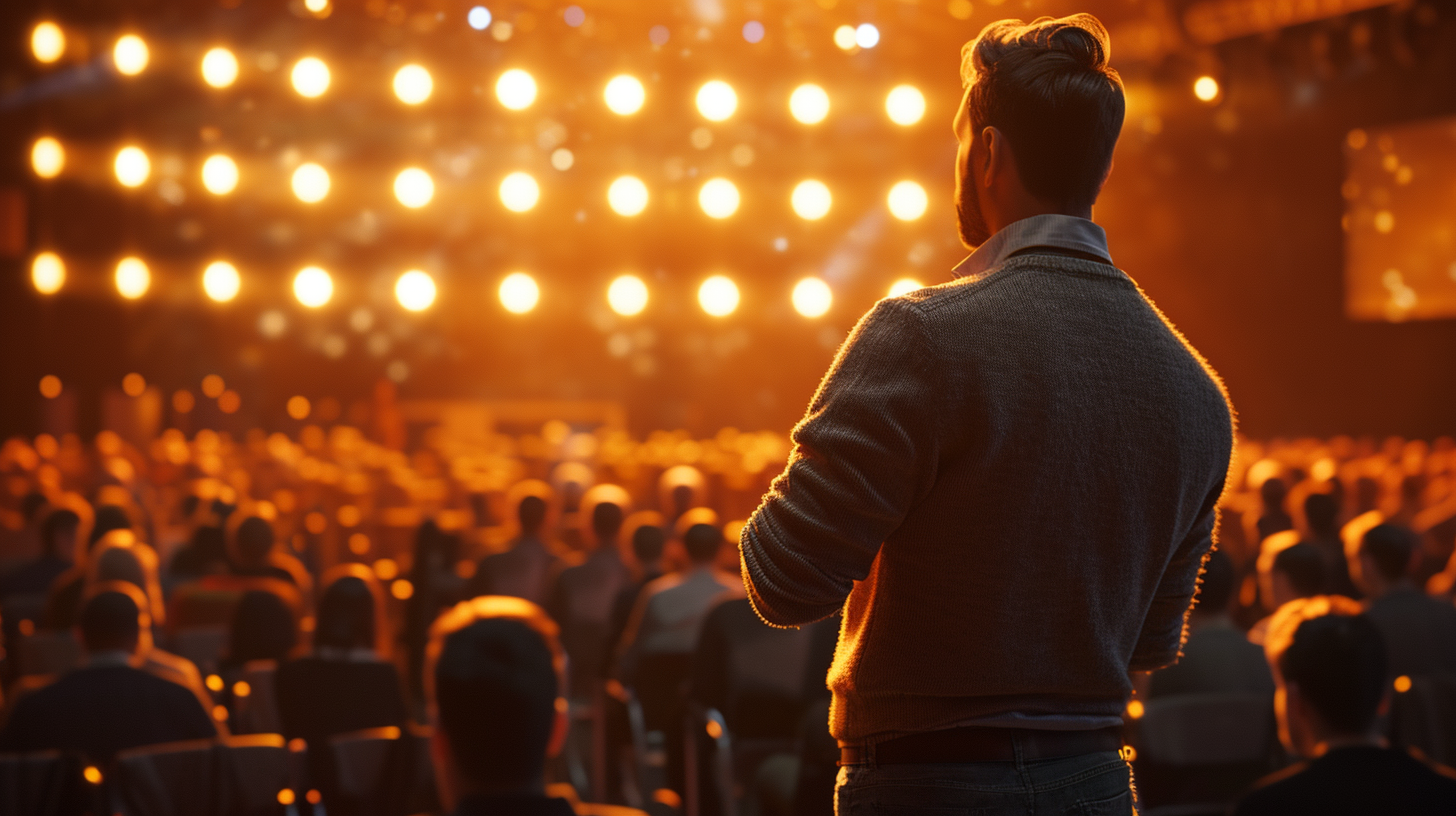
{"points": [[515, 89], [519, 293], [627, 195]]}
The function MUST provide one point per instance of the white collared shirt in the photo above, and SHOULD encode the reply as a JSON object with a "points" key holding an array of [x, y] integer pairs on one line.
{"points": [[1050, 230]]}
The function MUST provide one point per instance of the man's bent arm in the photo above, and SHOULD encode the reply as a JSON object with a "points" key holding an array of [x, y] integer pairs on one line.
{"points": [[864, 453], [1165, 628]]}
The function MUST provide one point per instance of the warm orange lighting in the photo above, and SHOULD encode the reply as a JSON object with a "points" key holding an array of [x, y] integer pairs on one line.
{"points": [[213, 386], [310, 183], [133, 385], [220, 174], [47, 157], [183, 402], [220, 713], [50, 386], [47, 42], [229, 402], [130, 55], [718, 197], [904, 286], [242, 689], [386, 569], [221, 281], [298, 407], [359, 544], [92, 774], [519, 192], [414, 188], [1135, 709], [519, 293], [717, 100], [402, 589], [812, 297], [627, 195], [1205, 88], [219, 68], [132, 166], [310, 77], [285, 797], [415, 290], [133, 278], [624, 95], [516, 89], [844, 37], [313, 286], [905, 105], [718, 296], [811, 200], [1402, 684], [627, 295], [809, 104], [214, 683], [47, 273], [413, 84], [907, 201]]}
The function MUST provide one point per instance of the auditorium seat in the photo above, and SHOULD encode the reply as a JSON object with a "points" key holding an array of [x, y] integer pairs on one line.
{"points": [[44, 783], [1198, 752], [240, 775], [382, 772], [257, 711], [1424, 717]]}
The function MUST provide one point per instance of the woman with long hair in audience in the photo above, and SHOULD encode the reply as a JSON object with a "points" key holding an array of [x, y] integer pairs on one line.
{"points": [[434, 588]]}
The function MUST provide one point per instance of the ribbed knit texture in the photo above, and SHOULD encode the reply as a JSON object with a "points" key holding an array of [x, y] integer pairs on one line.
{"points": [[1013, 481]]}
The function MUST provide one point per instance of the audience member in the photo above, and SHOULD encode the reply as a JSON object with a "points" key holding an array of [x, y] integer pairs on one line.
{"points": [[1419, 631], [1217, 658], [496, 697], [1289, 569], [434, 587], [1322, 522], [20, 546], [648, 546], [528, 567], [1329, 662], [264, 627], [57, 534], [1272, 517], [108, 705], [205, 553], [253, 554], [63, 602], [581, 602]]}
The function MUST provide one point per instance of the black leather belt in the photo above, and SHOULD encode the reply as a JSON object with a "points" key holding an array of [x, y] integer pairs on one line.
{"points": [[974, 743]]}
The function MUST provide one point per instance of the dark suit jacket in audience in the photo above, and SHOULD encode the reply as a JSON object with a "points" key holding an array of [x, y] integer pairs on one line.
{"points": [[1217, 659], [526, 570], [320, 698], [517, 805], [1419, 632], [1363, 781], [100, 710]]}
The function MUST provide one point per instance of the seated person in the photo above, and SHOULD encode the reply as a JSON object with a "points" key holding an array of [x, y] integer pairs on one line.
{"points": [[1419, 631], [57, 542], [581, 601], [108, 705], [497, 674], [528, 567], [264, 627], [1217, 657], [63, 601], [1322, 520], [1329, 663], [1289, 569], [648, 545], [252, 554]]}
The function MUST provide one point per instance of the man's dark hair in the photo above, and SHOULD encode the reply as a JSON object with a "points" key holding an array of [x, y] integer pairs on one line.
{"points": [[606, 520], [110, 620], [1322, 514], [1217, 586], [495, 693], [532, 514], [1305, 568], [31, 504], [1390, 548], [1339, 663], [108, 517], [254, 541], [57, 522], [702, 541], [1047, 86], [263, 628], [346, 615], [648, 542]]}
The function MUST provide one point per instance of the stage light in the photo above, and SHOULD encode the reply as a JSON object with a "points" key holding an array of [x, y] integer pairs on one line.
{"points": [[133, 385], [47, 157], [132, 166], [415, 290], [47, 42], [844, 38], [310, 77], [809, 104], [310, 183], [313, 286], [519, 192], [220, 174], [219, 68], [519, 293], [298, 407], [48, 273], [478, 18], [516, 89], [812, 297], [221, 281], [130, 55], [718, 197], [316, 6], [133, 278], [718, 295], [904, 286], [213, 386], [811, 200], [1205, 88], [562, 159], [717, 100], [627, 295], [414, 188], [413, 84], [50, 386], [866, 36], [905, 105], [907, 201], [624, 95], [627, 195]]}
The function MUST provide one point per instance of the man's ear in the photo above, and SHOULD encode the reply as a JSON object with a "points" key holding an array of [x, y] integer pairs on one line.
{"points": [[559, 727], [997, 155]]}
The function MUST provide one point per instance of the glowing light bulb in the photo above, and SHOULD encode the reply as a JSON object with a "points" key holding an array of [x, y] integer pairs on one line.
{"points": [[310, 183], [519, 192], [1205, 88], [316, 6], [50, 386], [130, 55], [718, 197], [718, 296], [415, 290], [219, 68], [221, 281], [811, 200], [132, 166], [844, 38], [220, 174], [478, 18], [47, 42], [905, 286], [519, 293], [133, 278], [627, 195], [413, 84], [414, 188], [907, 201], [47, 157], [516, 89], [313, 286], [866, 35], [905, 105], [717, 100], [627, 295], [812, 297], [809, 104], [48, 273], [624, 95], [310, 77]]}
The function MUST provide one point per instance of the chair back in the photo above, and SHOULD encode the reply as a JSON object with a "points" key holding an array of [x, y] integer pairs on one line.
{"points": [[1424, 717], [1206, 729], [383, 772], [203, 645], [257, 712], [49, 653], [46, 783], [235, 776]]}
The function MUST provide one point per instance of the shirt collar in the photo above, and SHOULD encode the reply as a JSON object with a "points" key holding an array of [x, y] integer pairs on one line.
{"points": [[1050, 230]]}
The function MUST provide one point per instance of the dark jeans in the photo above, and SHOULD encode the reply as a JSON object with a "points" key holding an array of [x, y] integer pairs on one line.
{"points": [[1088, 785]]}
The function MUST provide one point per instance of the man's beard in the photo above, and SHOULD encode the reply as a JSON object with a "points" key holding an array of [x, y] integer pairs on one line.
{"points": [[969, 219]]}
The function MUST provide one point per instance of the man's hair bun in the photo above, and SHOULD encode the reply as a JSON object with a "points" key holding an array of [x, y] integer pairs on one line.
{"points": [[1082, 36]]}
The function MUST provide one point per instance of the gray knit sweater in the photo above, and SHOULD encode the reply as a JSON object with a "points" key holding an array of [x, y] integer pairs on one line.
{"points": [[1013, 481]]}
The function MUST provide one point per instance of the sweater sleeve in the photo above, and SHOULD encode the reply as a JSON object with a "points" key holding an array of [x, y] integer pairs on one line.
{"points": [[864, 453], [1165, 629]]}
